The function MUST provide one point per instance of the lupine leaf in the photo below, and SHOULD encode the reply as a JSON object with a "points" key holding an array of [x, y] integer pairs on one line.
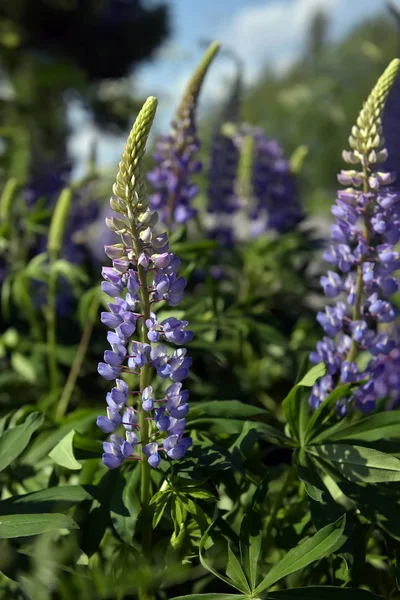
{"points": [[358, 463], [373, 428], [14, 526], [14, 441], [324, 542], [63, 453], [205, 564], [295, 404], [210, 597], [60, 498], [251, 532], [325, 410], [319, 592], [235, 572], [227, 409]]}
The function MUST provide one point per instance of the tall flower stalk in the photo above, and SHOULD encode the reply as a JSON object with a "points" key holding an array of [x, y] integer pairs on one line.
{"points": [[176, 155], [364, 236], [143, 273]]}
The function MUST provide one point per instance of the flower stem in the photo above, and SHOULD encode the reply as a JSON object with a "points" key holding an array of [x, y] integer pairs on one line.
{"points": [[145, 489], [352, 355], [78, 360]]}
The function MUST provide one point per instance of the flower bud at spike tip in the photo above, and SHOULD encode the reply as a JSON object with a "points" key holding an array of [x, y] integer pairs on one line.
{"points": [[129, 177], [364, 253], [176, 159], [192, 91], [7, 199], [59, 222]]}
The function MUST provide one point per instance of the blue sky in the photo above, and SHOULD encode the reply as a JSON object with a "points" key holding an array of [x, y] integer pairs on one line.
{"points": [[262, 32]]}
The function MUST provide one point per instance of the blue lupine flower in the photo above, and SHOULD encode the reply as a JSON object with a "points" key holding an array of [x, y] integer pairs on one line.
{"points": [[363, 250], [176, 156], [143, 273]]}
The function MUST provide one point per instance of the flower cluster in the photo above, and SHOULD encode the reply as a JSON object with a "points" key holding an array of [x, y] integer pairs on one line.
{"points": [[364, 236], [144, 273], [271, 201], [275, 203], [176, 156]]}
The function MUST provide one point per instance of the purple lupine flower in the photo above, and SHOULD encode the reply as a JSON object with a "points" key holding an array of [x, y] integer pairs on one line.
{"points": [[363, 251], [273, 202], [223, 202], [176, 156], [143, 273], [276, 198]]}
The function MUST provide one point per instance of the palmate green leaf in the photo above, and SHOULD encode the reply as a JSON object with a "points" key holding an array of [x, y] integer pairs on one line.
{"points": [[14, 526], [80, 420], [251, 531], [295, 405], [226, 409], [370, 429], [211, 597], [14, 441], [235, 572], [324, 542], [125, 505], [322, 592], [358, 463], [60, 498], [63, 453], [205, 564]]}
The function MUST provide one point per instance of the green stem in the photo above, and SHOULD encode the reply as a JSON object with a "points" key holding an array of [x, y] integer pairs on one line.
{"points": [[352, 355], [51, 328], [145, 373], [78, 360]]}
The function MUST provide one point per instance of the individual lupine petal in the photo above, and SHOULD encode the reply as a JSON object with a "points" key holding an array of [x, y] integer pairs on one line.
{"points": [[365, 397], [332, 319], [320, 391], [176, 291], [161, 261], [111, 422], [115, 359], [179, 365], [111, 275], [132, 284], [147, 399], [176, 446], [110, 289], [380, 344], [173, 331], [110, 320], [332, 284], [107, 371], [125, 330], [159, 357], [348, 372], [152, 328], [112, 461], [129, 420], [162, 420], [139, 355], [151, 451], [381, 309], [121, 265]]}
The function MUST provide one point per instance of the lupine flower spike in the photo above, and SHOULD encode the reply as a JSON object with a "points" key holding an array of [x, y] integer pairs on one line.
{"points": [[143, 273], [175, 155], [224, 158], [364, 236]]}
